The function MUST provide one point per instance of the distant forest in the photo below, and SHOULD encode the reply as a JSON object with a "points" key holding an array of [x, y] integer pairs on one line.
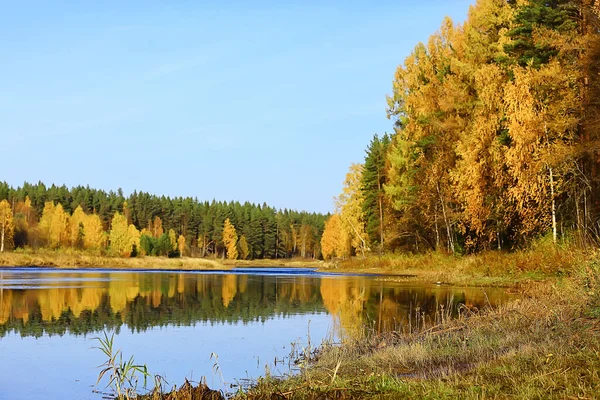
{"points": [[55, 217]]}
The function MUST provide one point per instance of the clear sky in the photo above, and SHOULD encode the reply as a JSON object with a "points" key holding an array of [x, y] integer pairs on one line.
{"points": [[261, 101]]}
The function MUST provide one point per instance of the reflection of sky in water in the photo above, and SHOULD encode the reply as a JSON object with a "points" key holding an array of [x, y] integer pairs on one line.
{"points": [[65, 366], [27, 282], [173, 321]]}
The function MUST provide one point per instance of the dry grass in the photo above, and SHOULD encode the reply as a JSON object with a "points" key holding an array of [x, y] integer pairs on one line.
{"points": [[186, 392], [290, 263], [69, 258], [544, 344], [490, 268]]}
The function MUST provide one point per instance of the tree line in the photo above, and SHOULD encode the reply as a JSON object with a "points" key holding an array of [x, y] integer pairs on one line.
{"points": [[37, 216], [496, 138]]}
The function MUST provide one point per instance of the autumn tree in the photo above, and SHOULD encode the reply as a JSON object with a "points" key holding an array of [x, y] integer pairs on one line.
{"points": [[24, 220], [77, 228], [173, 239], [54, 225], [6, 225], [157, 227], [426, 103], [181, 244], [335, 241], [243, 249], [230, 239], [121, 238], [543, 129], [94, 236], [350, 208], [479, 176]]}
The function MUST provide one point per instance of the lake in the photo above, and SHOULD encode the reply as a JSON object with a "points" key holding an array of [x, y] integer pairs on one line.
{"points": [[251, 319]]}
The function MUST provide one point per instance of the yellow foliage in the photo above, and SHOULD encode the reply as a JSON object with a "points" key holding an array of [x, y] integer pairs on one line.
{"points": [[6, 226], [230, 239], [181, 244], [77, 228], [334, 242], [156, 227], [172, 239], [228, 288], [122, 237], [54, 225], [349, 206], [133, 236], [122, 289], [94, 235]]}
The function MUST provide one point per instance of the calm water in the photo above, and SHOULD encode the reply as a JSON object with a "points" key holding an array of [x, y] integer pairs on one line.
{"points": [[174, 321]]}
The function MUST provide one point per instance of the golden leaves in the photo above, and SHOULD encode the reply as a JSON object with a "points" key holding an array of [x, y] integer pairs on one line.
{"points": [[230, 239]]}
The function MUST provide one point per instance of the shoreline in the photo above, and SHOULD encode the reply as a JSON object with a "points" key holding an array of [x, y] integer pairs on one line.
{"points": [[491, 269], [543, 343], [72, 259]]}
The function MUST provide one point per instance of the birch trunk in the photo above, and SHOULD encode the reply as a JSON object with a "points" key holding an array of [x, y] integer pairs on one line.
{"points": [[554, 234], [448, 230]]}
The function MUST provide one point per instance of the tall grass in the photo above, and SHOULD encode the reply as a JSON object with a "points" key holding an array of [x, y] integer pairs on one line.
{"points": [[543, 344], [492, 268], [122, 375]]}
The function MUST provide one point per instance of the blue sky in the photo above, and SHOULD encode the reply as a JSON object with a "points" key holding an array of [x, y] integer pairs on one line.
{"points": [[253, 101]]}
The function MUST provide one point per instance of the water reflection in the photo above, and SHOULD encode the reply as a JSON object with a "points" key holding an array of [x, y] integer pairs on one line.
{"points": [[34, 302]]}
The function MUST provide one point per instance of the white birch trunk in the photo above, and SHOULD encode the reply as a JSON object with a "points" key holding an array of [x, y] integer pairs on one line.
{"points": [[554, 233]]}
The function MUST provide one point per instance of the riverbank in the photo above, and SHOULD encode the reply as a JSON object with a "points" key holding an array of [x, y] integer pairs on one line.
{"points": [[79, 259], [70, 258], [543, 344], [488, 269]]}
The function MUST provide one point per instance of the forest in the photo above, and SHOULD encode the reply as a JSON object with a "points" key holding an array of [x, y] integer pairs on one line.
{"points": [[495, 143], [495, 139], [36, 216]]}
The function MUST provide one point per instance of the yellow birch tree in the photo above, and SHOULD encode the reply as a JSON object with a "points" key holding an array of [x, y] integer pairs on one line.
{"points": [[181, 245], [54, 225], [133, 238], [350, 205], [6, 225], [94, 236], [334, 242], [173, 239], [119, 235], [77, 228]]}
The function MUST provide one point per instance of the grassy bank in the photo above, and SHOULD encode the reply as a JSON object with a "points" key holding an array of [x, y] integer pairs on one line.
{"points": [[543, 344], [69, 258], [543, 261], [79, 259]]}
